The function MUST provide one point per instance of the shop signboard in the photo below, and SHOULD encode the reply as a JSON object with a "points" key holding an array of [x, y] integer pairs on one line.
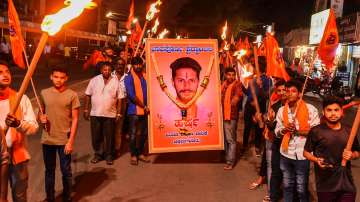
{"points": [[349, 28], [317, 27]]}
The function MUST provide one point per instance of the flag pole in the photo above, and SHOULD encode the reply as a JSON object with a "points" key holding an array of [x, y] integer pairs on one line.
{"points": [[32, 83], [29, 72]]}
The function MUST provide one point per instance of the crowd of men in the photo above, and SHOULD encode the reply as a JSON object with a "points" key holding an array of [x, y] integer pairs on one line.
{"points": [[294, 133]]}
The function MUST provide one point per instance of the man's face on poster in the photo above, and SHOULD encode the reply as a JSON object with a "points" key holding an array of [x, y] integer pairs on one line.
{"points": [[185, 83]]}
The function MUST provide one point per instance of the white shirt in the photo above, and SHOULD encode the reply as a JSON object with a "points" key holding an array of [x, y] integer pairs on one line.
{"points": [[121, 83], [27, 126], [104, 97], [297, 143]]}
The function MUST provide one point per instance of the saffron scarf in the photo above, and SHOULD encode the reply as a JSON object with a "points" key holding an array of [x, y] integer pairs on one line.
{"points": [[138, 92], [302, 115], [227, 100], [19, 153]]}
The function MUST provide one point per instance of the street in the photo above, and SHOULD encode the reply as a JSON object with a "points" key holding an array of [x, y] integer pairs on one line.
{"points": [[187, 176]]}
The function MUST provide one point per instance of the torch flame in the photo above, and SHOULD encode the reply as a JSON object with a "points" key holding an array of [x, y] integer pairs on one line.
{"points": [[224, 30], [153, 10], [53, 23], [240, 53], [163, 33], [246, 73], [154, 29]]}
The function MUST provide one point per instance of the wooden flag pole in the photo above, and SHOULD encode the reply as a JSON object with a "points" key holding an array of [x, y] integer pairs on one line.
{"points": [[29, 73], [352, 136]]}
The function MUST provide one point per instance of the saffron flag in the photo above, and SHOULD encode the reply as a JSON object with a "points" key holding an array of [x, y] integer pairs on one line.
{"points": [[131, 15], [275, 65], [238, 44], [329, 41], [261, 51], [16, 39], [95, 57]]}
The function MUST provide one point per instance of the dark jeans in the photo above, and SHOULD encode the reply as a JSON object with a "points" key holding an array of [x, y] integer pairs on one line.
{"points": [[336, 196], [249, 112], [19, 177], [102, 136], [137, 124], [276, 174], [295, 172], [49, 155]]}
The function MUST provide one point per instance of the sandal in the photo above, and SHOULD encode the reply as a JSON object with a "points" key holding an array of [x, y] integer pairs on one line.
{"points": [[133, 161], [228, 167], [266, 198], [144, 159], [254, 185], [95, 160]]}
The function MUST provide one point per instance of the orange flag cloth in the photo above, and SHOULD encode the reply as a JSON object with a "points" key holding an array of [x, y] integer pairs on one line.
{"points": [[302, 116], [274, 61], [227, 100], [329, 41], [16, 39]]}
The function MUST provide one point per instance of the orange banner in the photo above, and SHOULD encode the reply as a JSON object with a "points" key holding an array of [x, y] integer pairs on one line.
{"points": [[183, 95]]}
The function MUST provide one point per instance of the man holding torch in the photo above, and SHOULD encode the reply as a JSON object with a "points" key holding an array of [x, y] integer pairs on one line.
{"points": [[325, 147], [293, 123], [21, 123]]}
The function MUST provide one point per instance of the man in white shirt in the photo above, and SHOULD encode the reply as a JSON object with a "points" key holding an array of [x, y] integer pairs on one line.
{"points": [[120, 74], [104, 94], [294, 121], [20, 124]]}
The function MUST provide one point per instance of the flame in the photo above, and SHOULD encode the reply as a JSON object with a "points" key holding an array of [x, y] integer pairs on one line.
{"points": [[128, 32], [224, 30], [53, 23], [154, 29], [163, 33], [226, 46], [246, 73], [135, 20], [240, 53], [153, 10], [178, 37]]}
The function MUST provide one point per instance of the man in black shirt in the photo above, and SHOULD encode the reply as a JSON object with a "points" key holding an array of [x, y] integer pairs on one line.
{"points": [[325, 147]]}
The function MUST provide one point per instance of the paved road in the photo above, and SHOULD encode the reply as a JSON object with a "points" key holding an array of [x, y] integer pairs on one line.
{"points": [[188, 176]]}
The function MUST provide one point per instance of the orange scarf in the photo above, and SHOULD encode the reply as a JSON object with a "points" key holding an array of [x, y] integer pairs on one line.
{"points": [[19, 153], [302, 115], [138, 92], [227, 100]]}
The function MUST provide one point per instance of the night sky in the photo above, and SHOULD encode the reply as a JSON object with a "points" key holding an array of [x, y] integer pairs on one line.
{"points": [[204, 18]]}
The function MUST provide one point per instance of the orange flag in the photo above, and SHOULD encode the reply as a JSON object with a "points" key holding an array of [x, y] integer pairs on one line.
{"points": [[275, 65], [238, 44], [247, 44], [329, 41], [131, 15], [16, 39]]}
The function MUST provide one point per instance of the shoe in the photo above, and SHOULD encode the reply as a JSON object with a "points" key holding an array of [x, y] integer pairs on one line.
{"points": [[228, 167], [95, 160], [144, 159], [109, 162], [133, 161], [254, 185]]}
